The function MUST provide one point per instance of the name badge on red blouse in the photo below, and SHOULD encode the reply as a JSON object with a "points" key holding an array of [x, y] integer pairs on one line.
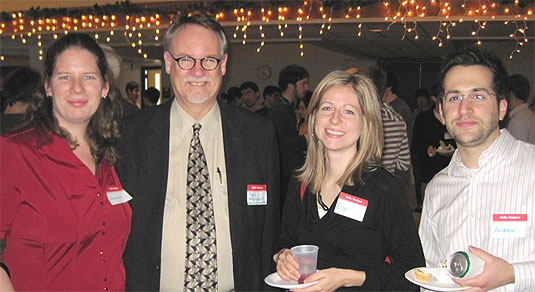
{"points": [[351, 206], [117, 195]]}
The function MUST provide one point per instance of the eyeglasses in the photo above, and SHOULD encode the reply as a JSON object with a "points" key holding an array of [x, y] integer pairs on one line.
{"points": [[207, 63], [476, 96]]}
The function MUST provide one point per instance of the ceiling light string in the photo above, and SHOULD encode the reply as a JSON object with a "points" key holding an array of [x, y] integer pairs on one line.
{"points": [[323, 17], [520, 37], [260, 28], [300, 27], [330, 18], [280, 18]]}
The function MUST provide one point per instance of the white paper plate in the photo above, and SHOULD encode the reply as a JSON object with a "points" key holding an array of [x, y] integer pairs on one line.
{"points": [[438, 282], [445, 151], [276, 281]]}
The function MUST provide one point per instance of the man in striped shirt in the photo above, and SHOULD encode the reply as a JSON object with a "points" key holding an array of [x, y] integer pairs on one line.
{"points": [[396, 156], [484, 200]]}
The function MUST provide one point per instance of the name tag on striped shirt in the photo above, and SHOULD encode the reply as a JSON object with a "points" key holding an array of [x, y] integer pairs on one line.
{"points": [[509, 225]]}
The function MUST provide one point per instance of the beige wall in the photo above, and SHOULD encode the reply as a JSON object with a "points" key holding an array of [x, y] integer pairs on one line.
{"points": [[244, 61]]}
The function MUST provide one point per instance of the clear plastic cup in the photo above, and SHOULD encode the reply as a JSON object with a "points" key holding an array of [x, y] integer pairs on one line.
{"points": [[307, 258]]}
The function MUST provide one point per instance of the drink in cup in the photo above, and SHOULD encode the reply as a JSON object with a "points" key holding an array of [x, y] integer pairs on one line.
{"points": [[307, 258]]}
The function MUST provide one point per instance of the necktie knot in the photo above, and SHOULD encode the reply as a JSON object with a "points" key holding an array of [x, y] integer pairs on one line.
{"points": [[196, 128]]}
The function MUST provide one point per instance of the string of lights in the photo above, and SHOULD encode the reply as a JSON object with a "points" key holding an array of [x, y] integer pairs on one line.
{"points": [[134, 21]]}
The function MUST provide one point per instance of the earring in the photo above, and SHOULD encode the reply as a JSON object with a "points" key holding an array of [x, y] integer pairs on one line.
{"points": [[104, 97]]}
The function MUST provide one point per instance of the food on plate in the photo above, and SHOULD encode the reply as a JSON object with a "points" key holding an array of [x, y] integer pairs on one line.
{"points": [[445, 148], [422, 276]]}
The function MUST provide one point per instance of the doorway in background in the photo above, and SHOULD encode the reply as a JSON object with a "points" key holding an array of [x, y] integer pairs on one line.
{"points": [[152, 77]]}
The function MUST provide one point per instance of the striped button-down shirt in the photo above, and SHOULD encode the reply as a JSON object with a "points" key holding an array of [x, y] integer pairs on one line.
{"points": [[396, 152], [460, 203]]}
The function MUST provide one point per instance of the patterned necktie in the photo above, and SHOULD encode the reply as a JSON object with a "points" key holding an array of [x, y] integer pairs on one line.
{"points": [[201, 251]]}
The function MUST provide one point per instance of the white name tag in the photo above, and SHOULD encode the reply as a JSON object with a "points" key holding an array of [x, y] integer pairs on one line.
{"points": [[256, 195], [509, 225], [117, 195], [351, 206]]}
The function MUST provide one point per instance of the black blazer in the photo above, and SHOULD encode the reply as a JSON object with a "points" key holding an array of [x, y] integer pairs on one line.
{"points": [[251, 157]]}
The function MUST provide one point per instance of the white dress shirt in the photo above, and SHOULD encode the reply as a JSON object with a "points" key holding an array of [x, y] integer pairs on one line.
{"points": [[174, 221], [460, 203]]}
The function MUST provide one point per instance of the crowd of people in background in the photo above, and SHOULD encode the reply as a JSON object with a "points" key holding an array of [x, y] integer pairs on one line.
{"points": [[105, 191]]}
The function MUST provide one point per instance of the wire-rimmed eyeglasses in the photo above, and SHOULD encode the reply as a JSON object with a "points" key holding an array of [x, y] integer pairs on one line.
{"points": [[475, 96], [207, 63]]}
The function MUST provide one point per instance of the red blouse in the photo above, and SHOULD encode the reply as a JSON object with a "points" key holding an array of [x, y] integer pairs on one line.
{"points": [[61, 231]]}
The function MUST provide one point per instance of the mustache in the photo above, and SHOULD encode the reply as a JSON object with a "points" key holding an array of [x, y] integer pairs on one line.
{"points": [[202, 79]]}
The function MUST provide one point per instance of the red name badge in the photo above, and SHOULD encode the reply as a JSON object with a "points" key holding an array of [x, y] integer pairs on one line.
{"points": [[256, 195], [509, 225], [351, 206], [117, 195]]}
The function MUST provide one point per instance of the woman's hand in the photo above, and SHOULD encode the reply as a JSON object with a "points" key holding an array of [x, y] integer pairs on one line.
{"points": [[332, 279], [287, 267]]}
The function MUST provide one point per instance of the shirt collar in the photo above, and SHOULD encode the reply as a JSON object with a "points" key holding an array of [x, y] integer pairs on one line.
{"points": [[500, 149], [185, 122]]}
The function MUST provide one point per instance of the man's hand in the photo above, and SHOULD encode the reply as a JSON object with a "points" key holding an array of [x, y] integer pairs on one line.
{"points": [[496, 273]]}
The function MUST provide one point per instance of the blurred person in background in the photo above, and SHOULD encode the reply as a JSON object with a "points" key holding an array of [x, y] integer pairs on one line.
{"points": [[21, 88], [272, 96], [151, 97], [521, 119]]}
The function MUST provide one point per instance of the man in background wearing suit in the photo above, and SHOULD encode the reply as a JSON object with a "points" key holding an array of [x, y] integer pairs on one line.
{"points": [[242, 165]]}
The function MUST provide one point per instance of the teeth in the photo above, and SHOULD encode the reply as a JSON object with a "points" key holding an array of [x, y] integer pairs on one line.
{"points": [[333, 132], [197, 83]]}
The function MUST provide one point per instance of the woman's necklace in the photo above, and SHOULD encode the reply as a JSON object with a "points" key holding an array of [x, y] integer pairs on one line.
{"points": [[321, 203]]}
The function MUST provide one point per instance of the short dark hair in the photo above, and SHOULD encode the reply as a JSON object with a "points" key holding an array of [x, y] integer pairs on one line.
{"points": [[269, 90], [249, 84], [131, 86], [378, 77], [422, 92], [232, 94], [474, 55], [290, 75], [519, 85], [152, 94], [21, 85], [201, 19]]}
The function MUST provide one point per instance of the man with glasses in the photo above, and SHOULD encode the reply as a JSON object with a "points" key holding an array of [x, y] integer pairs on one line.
{"points": [[205, 212], [484, 200]]}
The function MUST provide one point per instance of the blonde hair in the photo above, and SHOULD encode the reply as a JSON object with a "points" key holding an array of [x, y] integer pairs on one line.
{"points": [[370, 143]]}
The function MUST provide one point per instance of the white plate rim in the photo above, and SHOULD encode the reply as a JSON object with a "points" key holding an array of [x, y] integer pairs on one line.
{"points": [[269, 280], [409, 275]]}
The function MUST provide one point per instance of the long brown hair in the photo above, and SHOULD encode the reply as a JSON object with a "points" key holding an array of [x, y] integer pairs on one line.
{"points": [[104, 126]]}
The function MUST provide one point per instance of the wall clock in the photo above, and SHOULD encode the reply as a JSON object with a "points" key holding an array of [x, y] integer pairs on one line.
{"points": [[263, 72]]}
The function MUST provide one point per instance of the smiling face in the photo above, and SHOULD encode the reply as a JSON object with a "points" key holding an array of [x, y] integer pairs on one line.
{"points": [[338, 121], [196, 89], [472, 123], [76, 87]]}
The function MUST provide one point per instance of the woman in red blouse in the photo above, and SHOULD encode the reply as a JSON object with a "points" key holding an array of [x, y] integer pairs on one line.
{"points": [[63, 213]]}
